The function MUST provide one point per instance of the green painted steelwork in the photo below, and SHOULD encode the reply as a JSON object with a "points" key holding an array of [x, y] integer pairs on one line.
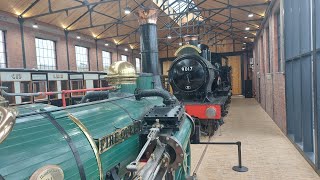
{"points": [[145, 81], [183, 136], [36, 142], [128, 88]]}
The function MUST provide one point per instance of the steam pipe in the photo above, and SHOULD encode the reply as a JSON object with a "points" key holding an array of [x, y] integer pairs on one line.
{"points": [[95, 95], [168, 99]]}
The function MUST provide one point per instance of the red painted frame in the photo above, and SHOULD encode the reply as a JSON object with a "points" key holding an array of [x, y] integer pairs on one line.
{"points": [[199, 110]]}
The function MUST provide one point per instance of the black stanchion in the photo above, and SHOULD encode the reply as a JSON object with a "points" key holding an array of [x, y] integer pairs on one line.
{"points": [[239, 167]]}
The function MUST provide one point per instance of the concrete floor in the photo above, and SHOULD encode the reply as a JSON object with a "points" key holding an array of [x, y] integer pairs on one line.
{"points": [[266, 152]]}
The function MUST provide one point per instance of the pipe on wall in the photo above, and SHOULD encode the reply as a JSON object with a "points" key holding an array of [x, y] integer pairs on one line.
{"points": [[67, 47], [96, 42], [21, 21]]}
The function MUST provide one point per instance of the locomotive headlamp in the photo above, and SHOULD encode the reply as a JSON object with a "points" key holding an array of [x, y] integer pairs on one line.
{"points": [[211, 112]]}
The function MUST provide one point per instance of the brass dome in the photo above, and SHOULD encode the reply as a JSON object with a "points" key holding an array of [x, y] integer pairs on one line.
{"points": [[121, 72], [122, 68]]}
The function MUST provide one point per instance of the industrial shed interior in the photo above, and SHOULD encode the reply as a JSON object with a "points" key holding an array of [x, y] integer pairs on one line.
{"points": [[159, 89]]}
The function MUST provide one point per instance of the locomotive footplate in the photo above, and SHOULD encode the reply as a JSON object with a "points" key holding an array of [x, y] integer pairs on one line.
{"points": [[219, 100], [169, 116], [224, 91]]}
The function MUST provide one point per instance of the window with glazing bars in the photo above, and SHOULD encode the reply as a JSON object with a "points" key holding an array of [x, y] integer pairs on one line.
{"points": [[82, 58], [279, 41], [46, 54], [138, 65], [3, 61], [124, 58], [106, 60]]}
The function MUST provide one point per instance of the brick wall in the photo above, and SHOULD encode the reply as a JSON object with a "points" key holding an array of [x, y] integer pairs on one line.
{"points": [[271, 92], [9, 23], [13, 44]]}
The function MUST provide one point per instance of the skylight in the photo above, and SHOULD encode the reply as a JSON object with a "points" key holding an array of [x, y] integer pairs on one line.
{"points": [[174, 7], [180, 6]]}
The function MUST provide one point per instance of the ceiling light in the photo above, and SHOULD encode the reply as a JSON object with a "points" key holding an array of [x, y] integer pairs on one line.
{"points": [[106, 44], [250, 15], [245, 37], [169, 37], [35, 26], [180, 44], [78, 37], [127, 10], [247, 28], [244, 43], [243, 48], [126, 49]]}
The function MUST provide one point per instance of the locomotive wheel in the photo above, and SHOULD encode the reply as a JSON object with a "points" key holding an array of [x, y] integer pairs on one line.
{"points": [[212, 127], [208, 127], [216, 125]]}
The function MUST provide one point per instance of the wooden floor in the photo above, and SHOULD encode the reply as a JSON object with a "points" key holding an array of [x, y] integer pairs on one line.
{"points": [[267, 152]]}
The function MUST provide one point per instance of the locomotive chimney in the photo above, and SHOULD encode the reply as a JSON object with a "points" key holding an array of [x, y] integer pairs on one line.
{"points": [[191, 39], [149, 43]]}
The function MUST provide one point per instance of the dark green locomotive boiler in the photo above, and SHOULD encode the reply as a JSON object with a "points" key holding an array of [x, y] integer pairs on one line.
{"points": [[85, 141]]}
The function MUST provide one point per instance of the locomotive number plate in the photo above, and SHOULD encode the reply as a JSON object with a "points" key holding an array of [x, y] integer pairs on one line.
{"points": [[187, 68]]}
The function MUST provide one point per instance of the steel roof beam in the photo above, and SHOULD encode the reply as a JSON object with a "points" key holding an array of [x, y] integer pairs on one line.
{"points": [[70, 8], [224, 8], [212, 28], [29, 7], [241, 8], [165, 15], [75, 21], [103, 14], [122, 18], [112, 23], [252, 25], [181, 14]]}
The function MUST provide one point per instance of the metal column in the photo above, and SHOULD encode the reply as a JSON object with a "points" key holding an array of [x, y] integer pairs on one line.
{"points": [[21, 21]]}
